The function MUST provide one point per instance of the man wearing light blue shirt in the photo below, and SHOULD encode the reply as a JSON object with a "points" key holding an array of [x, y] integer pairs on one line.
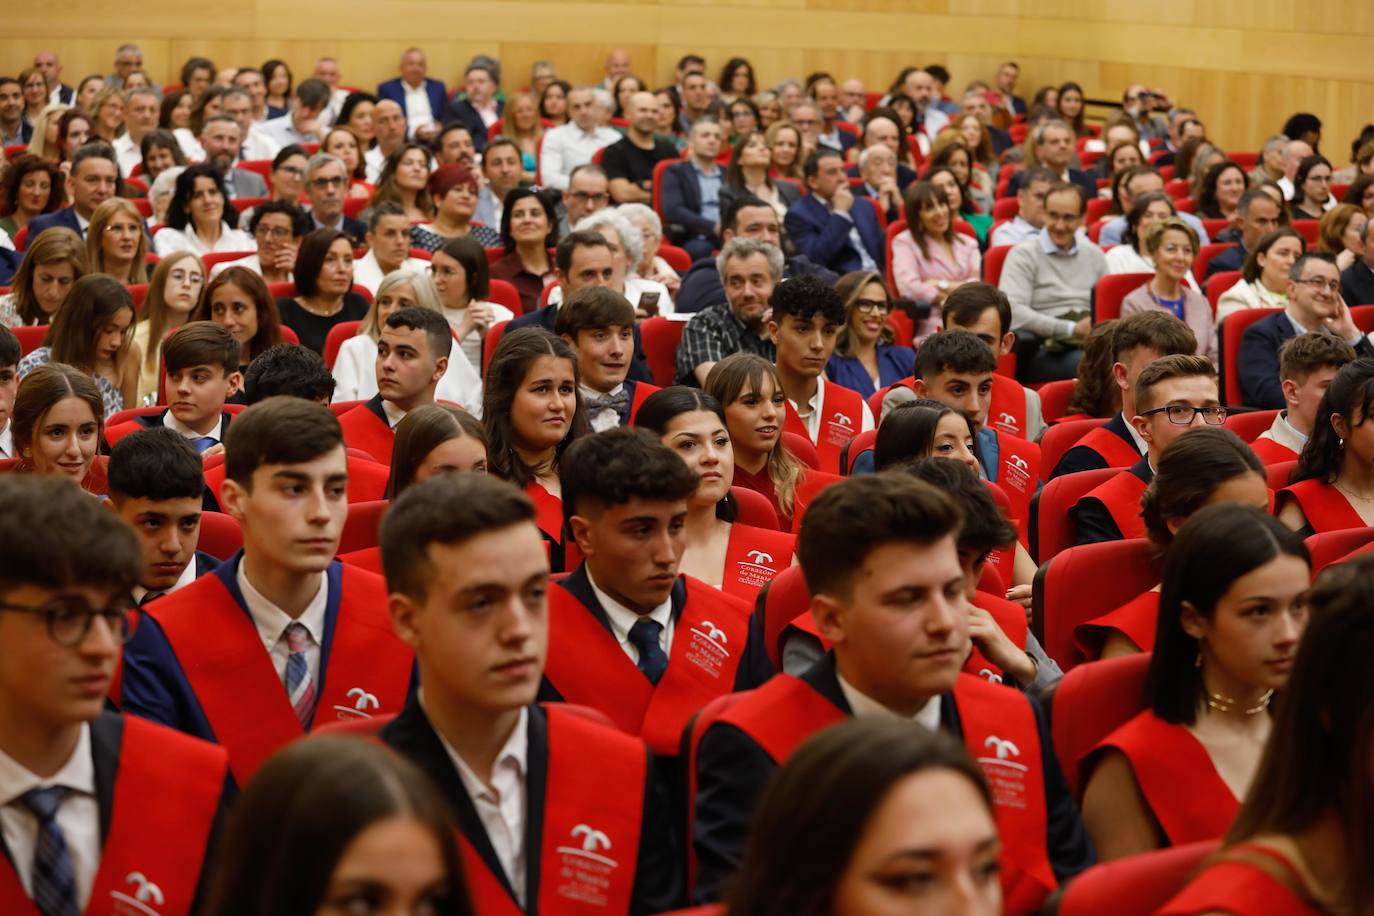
{"points": [[1144, 180]]}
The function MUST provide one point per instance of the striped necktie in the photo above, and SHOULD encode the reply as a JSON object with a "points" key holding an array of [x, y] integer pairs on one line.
{"points": [[300, 690], [54, 880]]}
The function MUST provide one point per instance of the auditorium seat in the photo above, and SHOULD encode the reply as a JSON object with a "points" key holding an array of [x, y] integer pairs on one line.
{"points": [[1232, 331], [1109, 292], [1098, 208], [212, 258], [993, 261], [851, 450], [1054, 404], [1092, 701], [781, 601], [503, 292], [754, 509], [489, 343], [362, 525], [30, 337], [1062, 436], [1136, 885], [335, 339], [1082, 583], [1055, 530], [1006, 208], [1280, 473], [678, 258], [1206, 253], [1219, 283], [1251, 423], [660, 336], [802, 449], [220, 535], [1327, 547]]}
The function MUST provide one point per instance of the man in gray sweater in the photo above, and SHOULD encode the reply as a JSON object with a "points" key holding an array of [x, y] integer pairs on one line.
{"points": [[1049, 279]]}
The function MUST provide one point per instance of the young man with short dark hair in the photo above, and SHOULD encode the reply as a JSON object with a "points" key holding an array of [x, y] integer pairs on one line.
{"points": [[985, 312], [280, 638], [630, 636], [10, 353], [388, 247], [1172, 395], [99, 811], [599, 324], [555, 808], [806, 320], [1136, 341], [202, 362], [288, 369], [156, 488], [412, 356], [1307, 364], [887, 592]]}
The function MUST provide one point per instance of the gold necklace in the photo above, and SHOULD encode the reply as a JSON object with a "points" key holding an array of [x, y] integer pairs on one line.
{"points": [[1352, 495], [1228, 705]]}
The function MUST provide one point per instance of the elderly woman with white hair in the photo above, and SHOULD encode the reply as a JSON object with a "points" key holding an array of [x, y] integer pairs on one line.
{"points": [[652, 266], [355, 368], [649, 297], [160, 194]]}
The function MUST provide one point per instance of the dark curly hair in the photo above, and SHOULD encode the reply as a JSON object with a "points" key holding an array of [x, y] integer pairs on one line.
{"points": [[21, 168]]}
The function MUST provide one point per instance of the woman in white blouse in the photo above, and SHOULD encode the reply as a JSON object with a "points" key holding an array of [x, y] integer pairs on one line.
{"points": [[463, 279], [1263, 280], [355, 369], [196, 216], [1131, 256]]}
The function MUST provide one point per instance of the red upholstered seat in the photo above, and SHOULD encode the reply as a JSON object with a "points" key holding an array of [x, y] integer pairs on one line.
{"points": [[802, 449], [503, 292], [660, 336], [1205, 255], [220, 535], [490, 342], [783, 600], [993, 261], [1090, 703], [754, 509], [30, 337], [336, 337], [1111, 289], [1250, 424], [1232, 331], [1082, 583], [1055, 529], [1136, 885], [678, 258], [851, 450], [362, 525], [1329, 546], [1061, 437], [1054, 401]]}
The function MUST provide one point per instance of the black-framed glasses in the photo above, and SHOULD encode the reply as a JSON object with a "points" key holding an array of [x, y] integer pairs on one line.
{"points": [[1183, 414], [69, 618], [869, 306]]}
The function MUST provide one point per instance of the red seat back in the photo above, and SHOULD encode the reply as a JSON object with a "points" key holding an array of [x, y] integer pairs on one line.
{"points": [[1054, 401], [1250, 424], [1136, 885], [678, 258], [1219, 283], [1327, 547], [1111, 289], [503, 292], [754, 509], [659, 169], [1309, 230], [1098, 208], [1055, 529], [336, 337], [1006, 208], [220, 257], [30, 336], [851, 450], [1205, 254], [903, 328], [783, 600], [362, 525], [802, 449], [1278, 474], [660, 336], [220, 534], [1082, 583], [993, 261], [1232, 330], [490, 342], [1091, 702], [1061, 437]]}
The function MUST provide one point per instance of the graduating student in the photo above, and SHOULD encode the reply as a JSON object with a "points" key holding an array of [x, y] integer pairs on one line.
{"points": [[807, 317], [1333, 486], [101, 811], [202, 360], [630, 635], [281, 637], [984, 311], [721, 551], [10, 351], [532, 409], [412, 357], [599, 324], [156, 488], [881, 563], [1172, 395], [1307, 364], [1204, 468], [558, 812], [1230, 617], [1299, 845], [1136, 341]]}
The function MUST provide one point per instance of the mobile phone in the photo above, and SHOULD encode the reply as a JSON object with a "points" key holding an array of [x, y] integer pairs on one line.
{"points": [[648, 303]]}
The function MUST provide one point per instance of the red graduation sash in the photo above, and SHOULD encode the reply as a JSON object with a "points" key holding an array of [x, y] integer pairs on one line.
{"points": [[233, 678], [1011, 618], [1177, 778], [809, 485], [1238, 887], [590, 836], [1007, 407], [1135, 619], [1018, 472], [1111, 448], [753, 557], [1271, 451], [842, 414], [1121, 496], [1325, 507], [364, 430], [166, 792], [587, 666], [548, 511]]}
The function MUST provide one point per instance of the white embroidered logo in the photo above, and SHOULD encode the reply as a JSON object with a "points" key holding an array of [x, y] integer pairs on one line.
{"points": [[592, 839], [580, 871], [841, 420], [759, 557], [712, 632], [989, 675], [1005, 748], [144, 898], [362, 702], [1019, 463], [1006, 419]]}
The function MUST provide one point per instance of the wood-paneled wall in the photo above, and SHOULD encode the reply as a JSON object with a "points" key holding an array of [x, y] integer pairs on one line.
{"points": [[1244, 64]]}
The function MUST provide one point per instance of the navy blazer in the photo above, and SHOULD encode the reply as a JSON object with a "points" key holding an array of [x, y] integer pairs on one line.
{"points": [[682, 200], [543, 318], [64, 218], [460, 111], [823, 236], [1259, 360], [395, 90], [1232, 258], [1357, 284], [1076, 176], [894, 364]]}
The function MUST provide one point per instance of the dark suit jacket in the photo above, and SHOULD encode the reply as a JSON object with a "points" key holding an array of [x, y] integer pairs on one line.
{"points": [[1082, 458], [1357, 284], [823, 236], [1076, 176], [1259, 360], [1094, 519], [459, 110], [732, 771], [356, 229], [395, 90], [682, 201], [543, 318], [701, 287], [1232, 258], [788, 192], [65, 94], [65, 218], [846, 140], [658, 881]]}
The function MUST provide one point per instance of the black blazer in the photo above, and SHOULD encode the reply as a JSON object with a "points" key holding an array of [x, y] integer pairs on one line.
{"points": [[461, 110], [788, 193], [682, 201], [658, 879], [1258, 360], [1094, 519], [1082, 458], [732, 771], [1357, 284]]}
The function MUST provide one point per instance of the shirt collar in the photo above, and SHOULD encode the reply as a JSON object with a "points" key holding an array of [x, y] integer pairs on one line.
{"points": [[864, 705], [172, 423], [1285, 433], [86, 224], [272, 621], [188, 575], [393, 413], [1048, 246], [77, 774], [1140, 445], [513, 753], [816, 401], [715, 169], [7, 440], [622, 618], [1297, 326], [593, 393]]}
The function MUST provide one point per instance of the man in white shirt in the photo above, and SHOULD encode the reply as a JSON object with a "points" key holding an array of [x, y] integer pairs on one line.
{"points": [[575, 143], [303, 123], [423, 98], [388, 247], [141, 107], [48, 64], [251, 82], [238, 104], [389, 125], [327, 71], [599, 324]]}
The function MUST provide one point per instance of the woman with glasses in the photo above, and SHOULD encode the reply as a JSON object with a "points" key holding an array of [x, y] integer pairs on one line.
{"points": [[866, 358], [1170, 245], [1333, 486], [1311, 189], [173, 293], [116, 243]]}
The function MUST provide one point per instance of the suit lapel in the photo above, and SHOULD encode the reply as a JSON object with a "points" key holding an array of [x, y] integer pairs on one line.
{"points": [[107, 734]]}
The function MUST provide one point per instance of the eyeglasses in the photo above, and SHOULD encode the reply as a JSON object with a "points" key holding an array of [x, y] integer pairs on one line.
{"points": [[869, 306], [69, 618], [584, 197], [1317, 284], [326, 182], [273, 232], [293, 171], [1183, 414]]}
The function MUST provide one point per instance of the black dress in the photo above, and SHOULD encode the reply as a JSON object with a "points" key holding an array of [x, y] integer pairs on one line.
{"points": [[312, 329]]}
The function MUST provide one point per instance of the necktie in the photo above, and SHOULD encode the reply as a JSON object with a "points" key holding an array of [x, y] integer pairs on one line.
{"points": [[616, 402], [652, 660], [54, 882], [299, 688], [149, 597], [201, 443]]}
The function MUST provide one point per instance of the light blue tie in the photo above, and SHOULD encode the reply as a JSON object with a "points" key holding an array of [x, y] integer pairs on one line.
{"points": [[202, 443], [54, 882]]}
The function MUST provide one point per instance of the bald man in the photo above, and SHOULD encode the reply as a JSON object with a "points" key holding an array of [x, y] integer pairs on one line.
{"points": [[630, 161], [617, 65], [423, 99], [389, 125], [59, 93]]}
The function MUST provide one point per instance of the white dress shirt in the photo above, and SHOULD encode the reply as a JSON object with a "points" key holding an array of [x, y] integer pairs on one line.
{"points": [[355, 376], [603, 418], [188, 575], [7, 440], [418, 111], [127, 152], [568, 146], [472, 344], [864, 705], [502, 807], [812, 418], [169, 240], [78, 817], [271, 622], [373, 160], [172, 423], [622, 619], [190, 146]]}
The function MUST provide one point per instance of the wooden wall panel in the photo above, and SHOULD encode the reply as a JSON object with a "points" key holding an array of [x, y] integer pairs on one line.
{"points": [[1243, 64]]}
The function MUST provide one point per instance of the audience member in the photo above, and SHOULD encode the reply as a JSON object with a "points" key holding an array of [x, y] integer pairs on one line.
{"points": [[930, 259], [326, 186], [866, 357], [985, 312], [478, 107], [116, 243], [92, 331], [1256, 215], [423, 99], [1307, 364], [173, 294], [1171, 245], [501, 167], [586, 194], [303, 123], [1264, 277], [93, 179], [1357, 280], [630, 161], [463, 281], [196, 217], [1129, 185], [324, 288], [240, 300], [57, 423], [749, 271], [691, 193], [574, 143], [529, 228], [747, 176], [1311, 194], [599, 324], [1331, 487], [826, 227]]}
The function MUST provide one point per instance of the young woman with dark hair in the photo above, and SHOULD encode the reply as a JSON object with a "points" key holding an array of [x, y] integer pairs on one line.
{"points": [[866, 358], [324, 288], [58, 423], [240, 300], [1333, 486]]}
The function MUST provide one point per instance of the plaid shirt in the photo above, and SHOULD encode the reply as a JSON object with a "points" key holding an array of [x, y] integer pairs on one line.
{"points": [[713, 334]]}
